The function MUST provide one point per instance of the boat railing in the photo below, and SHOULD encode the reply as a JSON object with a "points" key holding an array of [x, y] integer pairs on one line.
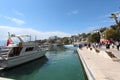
{"points": [[3, 56], [4, 52]]}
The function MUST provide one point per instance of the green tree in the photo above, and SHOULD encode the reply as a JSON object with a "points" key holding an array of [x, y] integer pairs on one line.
{"points": [[51, 41], [88, 34], [114, 27], [115, 16], [95, 37], [112, 34], [66, 40], [102, 29], [83, 35]]}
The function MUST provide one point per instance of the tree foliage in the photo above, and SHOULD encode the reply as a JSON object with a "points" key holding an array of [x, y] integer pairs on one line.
{"points": [[95, 37], [83, 35], [114, 27], [103, 29], [66, 40], [51, 41], [112, 34]]}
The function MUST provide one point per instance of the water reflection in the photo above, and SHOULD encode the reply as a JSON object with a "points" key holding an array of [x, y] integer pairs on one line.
{"points": [[57, 48], [63, 64], [24, 69]]}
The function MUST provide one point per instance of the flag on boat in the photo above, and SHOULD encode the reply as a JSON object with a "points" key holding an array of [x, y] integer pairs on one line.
{"points": [[9, 41]]}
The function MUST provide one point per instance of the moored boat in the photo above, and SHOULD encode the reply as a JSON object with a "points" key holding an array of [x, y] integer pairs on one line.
{"points": [[20, 52]]}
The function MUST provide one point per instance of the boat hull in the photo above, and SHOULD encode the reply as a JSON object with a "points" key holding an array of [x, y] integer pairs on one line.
{"points": [[11, 62]]}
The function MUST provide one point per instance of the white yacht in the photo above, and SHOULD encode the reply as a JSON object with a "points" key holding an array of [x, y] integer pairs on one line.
{"points": [[20, 52]]}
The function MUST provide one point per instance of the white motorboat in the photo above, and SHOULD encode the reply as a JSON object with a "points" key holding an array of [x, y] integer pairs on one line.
{"points": [[20, 52]]}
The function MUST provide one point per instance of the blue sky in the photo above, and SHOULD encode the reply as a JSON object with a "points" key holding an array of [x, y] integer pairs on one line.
{"points": [[55, 17]]}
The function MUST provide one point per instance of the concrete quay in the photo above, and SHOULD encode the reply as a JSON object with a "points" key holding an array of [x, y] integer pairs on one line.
{"points": [[113, 50], [99, 67]]}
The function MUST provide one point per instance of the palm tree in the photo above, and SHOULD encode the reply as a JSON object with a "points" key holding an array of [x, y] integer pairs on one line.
{"points": [[115, 16]]}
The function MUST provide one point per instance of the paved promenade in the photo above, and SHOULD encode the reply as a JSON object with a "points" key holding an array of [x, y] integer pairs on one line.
{"points": [[113, 50], [99, 67]]}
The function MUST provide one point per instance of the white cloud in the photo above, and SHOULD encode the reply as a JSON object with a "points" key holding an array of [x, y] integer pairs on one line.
{"points": [[17, 12], [73, 12], [105, 16], [109, 21], [15, 20], [28, 31]]}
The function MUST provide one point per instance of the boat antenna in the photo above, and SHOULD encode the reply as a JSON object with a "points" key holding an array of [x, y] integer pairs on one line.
{"points": [[35, 40], [9, 34], [30, 38]]}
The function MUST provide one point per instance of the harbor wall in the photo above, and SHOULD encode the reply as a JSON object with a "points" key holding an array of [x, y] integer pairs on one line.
{"points": [[99, 64], [88, 72]]}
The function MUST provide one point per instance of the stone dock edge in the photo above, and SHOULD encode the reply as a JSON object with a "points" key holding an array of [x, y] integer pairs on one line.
{"points": [[87, 71]]}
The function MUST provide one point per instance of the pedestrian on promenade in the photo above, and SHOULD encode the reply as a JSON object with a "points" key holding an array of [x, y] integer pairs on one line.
{"points": [[80, 46], [112, 45], [107, 45], [89, 45], [117, 45], [93, 45]]}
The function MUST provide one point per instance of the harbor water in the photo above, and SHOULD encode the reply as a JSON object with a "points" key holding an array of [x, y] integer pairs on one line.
{"points": [[58, 64]]}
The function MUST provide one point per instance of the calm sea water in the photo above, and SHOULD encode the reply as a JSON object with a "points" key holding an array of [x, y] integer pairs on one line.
{"points": [[60, 64]]}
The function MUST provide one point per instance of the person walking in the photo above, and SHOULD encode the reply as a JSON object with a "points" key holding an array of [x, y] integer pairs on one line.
{"points": [[117, 45]]}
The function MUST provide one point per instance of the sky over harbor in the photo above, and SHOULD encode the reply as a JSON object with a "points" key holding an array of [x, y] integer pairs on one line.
{"points": [[44, 18]]}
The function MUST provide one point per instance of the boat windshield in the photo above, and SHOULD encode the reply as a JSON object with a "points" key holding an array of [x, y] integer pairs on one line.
{"points": [[17, 40]]}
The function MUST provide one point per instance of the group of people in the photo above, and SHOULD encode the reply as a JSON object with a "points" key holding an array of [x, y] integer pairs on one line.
{"points": [[113, 44], [108, 45]]}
